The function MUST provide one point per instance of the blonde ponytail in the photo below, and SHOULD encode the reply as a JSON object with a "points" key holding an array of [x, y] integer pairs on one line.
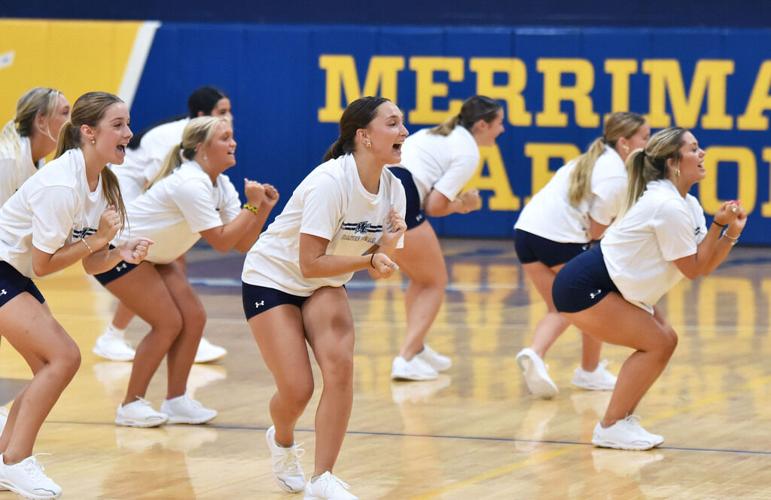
{"points": [[581, 176]]}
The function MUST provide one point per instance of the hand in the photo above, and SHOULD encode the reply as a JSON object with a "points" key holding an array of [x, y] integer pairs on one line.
{"points": [[271, 195], [394, 229], [255, 192], [470, 201], [382, 266], [727, 212], [736, 227], [109, 225], [135, 251]]}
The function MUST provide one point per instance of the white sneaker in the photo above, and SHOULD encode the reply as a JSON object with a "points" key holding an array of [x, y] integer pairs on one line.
{"points": [[113, 346], [208, 352], [185, 410], [435, 360], [625, 434], [536, 375], [139, 414], [286, 463], [328, 487], [414, 369], [3, 418], [598, 380], [27, 479]]}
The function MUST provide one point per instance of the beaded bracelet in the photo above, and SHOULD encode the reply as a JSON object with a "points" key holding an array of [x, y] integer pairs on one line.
{"points": [[251, 208]]}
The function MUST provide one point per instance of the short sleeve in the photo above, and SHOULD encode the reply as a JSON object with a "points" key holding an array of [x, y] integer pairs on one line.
{"points": [[461, 169], [53, 214], [231, 202], [322, 207], [195, 199], [7, 179], [675, 231], [608, 198]]}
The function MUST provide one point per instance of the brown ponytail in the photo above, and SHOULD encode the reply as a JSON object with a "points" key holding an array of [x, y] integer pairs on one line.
{"points": [[474, 108]]}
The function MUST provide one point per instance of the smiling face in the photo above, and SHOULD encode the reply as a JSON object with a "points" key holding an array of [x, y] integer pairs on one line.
{"points": [[385, 134], [691, 163], [111, 134], [485, 133], [220, 152]]}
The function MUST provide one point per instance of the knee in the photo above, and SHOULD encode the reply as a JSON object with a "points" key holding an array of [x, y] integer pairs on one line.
{"points": [[337, 369], [298, 395], [195, 321], [667, 342], [169, 324], [67, 361]]}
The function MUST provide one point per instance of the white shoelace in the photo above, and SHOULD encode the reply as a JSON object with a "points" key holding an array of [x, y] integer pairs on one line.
{"points": [[34, 468], [340, 482], [290, 461]]}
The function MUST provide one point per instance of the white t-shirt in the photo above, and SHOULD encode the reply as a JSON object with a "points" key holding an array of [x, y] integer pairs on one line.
{"points": [[141, 165], [175, 210], [550, 214], [53, 208], [15, 161], [330, 203], [444, 163], [640, 248]]}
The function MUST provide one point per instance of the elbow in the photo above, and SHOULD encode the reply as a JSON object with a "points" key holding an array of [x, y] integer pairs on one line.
{"points": [[307, 270], [40, 270]]}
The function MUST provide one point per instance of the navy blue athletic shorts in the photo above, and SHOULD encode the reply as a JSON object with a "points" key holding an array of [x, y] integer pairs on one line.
{"points": [[13, 283], [121, 269], [258, 299], [583, 282], [533, 248], [414, 215]]}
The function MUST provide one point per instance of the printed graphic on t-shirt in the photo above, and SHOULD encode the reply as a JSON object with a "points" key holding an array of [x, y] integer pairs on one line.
{"points": [[80, 233], [357, 231]]}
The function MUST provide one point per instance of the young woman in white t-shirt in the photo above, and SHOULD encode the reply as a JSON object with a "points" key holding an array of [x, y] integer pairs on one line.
{"points": [[346, 216], [144, 159], [572, 210], [436, 164], [192, 199], [31, 136], [68, 212], [610, 291]]}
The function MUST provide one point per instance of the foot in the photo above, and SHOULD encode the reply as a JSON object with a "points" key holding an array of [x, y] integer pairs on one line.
{"points": [[208, 352], [598, 380], [625, 434], [139, 414], [113, 346], [328, 487], [27, 479], [415, 369], [286, 463], [433, 359], [536, 374], [185, 410]]}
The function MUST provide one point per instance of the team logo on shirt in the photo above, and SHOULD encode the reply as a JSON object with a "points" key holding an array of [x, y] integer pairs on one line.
{"points": [[79, 234], [697, 231], [356, 231]]}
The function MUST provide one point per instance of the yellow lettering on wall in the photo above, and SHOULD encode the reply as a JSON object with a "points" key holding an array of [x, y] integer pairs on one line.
{"points": [[620, 70], [746, 181], [426, 88], [765, 208], [759, 101], [709, 78], [342, 78], [554, 92], [486, 68], [540, 155], [496, 181]]}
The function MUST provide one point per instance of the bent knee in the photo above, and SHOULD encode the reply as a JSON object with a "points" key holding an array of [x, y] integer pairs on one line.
{"points": [[169, 324], [338, 369], [298, 395]]}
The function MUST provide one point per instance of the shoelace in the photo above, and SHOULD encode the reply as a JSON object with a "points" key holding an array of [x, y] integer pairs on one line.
{"points": [[143, 401], [340, 482], [291, 459], [34, 468]]}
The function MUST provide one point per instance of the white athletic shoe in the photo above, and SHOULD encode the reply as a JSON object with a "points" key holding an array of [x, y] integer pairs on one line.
{"points": [[3, 418], [139, 414], [415, 369], [536, 375], [286, 463], [208, 352], [113, 346], [625, 434], [598, 380], [27, 479], [184, 410], [328, 487], [433, 359]]}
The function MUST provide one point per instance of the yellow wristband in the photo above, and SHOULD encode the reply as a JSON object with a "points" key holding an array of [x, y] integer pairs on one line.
{"points": [[87, 245], [251, 208]]}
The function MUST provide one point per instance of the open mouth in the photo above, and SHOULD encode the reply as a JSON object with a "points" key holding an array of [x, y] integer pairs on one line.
{"points": [[397, 147], [121, 148]]}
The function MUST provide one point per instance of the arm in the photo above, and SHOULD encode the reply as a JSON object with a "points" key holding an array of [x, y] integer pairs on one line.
{"points": [[315, 263], [105, 259], [438, 205], [596, 230], [271, 198], [713, 249]]}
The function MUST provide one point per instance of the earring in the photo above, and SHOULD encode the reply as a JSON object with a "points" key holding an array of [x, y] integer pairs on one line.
{"points": [[93, 141], [368, 143], [626, 148], [677, 172]]}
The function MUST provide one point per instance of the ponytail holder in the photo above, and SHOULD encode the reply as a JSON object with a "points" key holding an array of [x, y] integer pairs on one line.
{"points": [[181, 146]]}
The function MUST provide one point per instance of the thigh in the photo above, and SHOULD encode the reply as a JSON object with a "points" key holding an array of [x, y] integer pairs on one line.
{"points": [[616, 321], [280, 335], [421, 258], [31, 329], [328, 325], [542, 277], [145, 292]]}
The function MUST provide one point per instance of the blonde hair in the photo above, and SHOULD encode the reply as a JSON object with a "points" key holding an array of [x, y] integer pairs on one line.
{"points": [[88, 110], [618, 125], [650, 164], [34, 102], [199, 131], [474, 108]]}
